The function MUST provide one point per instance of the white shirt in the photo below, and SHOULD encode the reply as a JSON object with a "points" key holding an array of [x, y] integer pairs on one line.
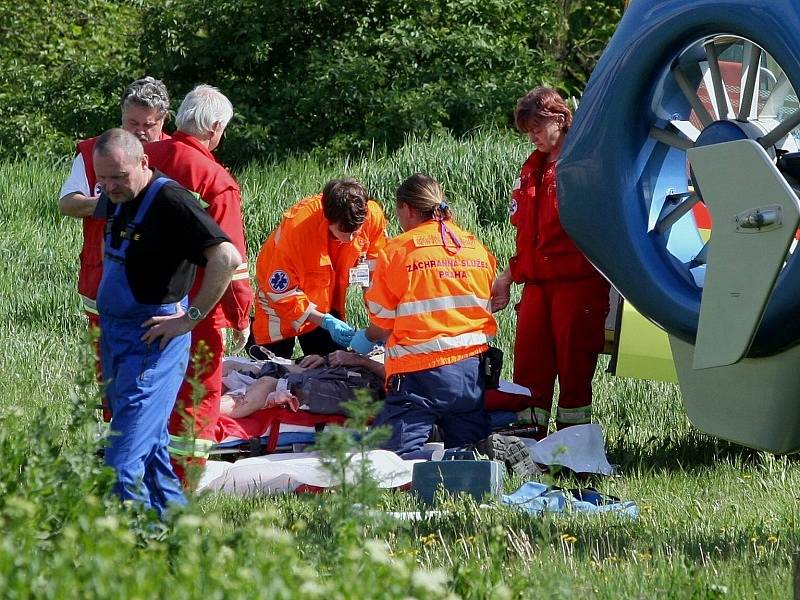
{"points": [[77, 180]]}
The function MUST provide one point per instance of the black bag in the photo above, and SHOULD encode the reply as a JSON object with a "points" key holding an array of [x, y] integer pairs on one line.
{"points": [[492, 366], [324, 389]]}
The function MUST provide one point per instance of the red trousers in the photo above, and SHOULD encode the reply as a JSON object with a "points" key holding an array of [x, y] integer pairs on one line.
{"points": [[560, 332], [193, 421]]}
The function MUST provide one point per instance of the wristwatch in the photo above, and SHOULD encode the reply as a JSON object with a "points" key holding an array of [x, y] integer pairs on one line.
{"points": [[194, 313]]}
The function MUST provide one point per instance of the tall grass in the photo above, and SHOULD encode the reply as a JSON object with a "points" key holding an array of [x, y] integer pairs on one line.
{"points": [[476, 172], [717, 520]]}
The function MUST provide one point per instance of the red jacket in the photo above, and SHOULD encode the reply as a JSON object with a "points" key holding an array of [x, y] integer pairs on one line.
{"points": [[91, 259], [544, 251], [184, 159], [91, 269]]}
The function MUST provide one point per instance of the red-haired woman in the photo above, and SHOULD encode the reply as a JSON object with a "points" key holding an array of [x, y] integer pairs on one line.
{"points": [[561, 316]]}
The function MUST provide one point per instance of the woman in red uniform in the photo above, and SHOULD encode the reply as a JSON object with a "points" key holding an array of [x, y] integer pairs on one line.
{"points": [[561, 316]]}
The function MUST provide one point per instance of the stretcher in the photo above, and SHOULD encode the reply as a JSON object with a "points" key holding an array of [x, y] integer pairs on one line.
{"points": [[281, 430], [272, 430], [268, 431]]}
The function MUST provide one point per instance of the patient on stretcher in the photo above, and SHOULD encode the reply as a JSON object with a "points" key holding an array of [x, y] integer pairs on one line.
{"points": [[318, 384]]}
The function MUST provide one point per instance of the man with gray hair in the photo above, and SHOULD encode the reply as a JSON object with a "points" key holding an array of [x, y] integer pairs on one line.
{"points": [[204, 114], [144, 106], [201, 120], [157, 236]]}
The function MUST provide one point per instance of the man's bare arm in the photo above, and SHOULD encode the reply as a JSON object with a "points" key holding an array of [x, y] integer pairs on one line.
{"points": [[255, 398], [77, 205], [222, 260], [343, 358]]}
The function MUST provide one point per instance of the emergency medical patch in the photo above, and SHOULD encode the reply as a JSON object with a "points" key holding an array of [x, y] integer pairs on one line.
{"points": [[512, 207], [279, 282]]}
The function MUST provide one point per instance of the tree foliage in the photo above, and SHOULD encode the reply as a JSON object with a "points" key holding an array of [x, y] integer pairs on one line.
{"points": [[345, 74], [340, 75], [63, 66]]}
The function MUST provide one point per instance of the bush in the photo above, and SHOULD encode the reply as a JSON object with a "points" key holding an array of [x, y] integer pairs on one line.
{"points": [[580, 32], [63, 66], [339, 75], [349, 74]]}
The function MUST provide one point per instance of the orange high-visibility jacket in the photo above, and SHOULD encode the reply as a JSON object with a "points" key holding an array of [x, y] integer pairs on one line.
{"points": [[296, 274], [434, 300]]}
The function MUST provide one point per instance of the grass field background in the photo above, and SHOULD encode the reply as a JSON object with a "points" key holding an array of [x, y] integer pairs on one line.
{"points": [[717, 520]]}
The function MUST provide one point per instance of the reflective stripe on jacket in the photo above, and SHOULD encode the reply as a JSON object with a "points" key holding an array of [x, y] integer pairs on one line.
{"points": [[295, 272], [435, 301]]}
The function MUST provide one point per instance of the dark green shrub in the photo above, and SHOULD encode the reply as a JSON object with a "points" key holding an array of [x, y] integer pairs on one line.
{"points": [[63, 66], [349, 74], [339, 75]]}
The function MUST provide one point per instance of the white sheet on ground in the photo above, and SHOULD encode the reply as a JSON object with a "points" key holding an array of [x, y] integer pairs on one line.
{"points": [[580, 448], [281, 473]]}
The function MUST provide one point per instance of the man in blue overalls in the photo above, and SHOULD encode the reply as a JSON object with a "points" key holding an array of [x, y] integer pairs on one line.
{"points": [[157, 234]]}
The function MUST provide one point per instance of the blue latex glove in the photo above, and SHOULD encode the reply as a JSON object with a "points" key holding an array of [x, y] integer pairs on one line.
{"points": [[340, 331], [361, 343]]}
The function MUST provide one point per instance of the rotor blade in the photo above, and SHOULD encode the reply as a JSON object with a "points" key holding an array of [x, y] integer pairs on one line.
{"points": [[776, 97], [720, 95], [691, 96], [687, 129], [670, 139], [675, 207], [781, 131], [752, 58], [702, 257]]}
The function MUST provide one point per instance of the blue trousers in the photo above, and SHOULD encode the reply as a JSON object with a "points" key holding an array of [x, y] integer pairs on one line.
{"points": [[142, 384], [450, 396]]}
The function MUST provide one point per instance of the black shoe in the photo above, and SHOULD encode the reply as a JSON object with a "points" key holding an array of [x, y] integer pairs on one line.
{"points": [[531, 432], [511, 451]]}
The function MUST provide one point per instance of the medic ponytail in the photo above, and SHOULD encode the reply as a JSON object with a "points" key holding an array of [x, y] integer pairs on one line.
{"points": [[424, 194]]}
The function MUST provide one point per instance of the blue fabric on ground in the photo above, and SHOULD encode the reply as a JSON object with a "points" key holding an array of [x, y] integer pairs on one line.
{"points": [[538, 498], [501, 418]]}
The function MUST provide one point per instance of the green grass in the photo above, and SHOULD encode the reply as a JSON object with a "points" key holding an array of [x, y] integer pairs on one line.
{"points": [[717, 520]]}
